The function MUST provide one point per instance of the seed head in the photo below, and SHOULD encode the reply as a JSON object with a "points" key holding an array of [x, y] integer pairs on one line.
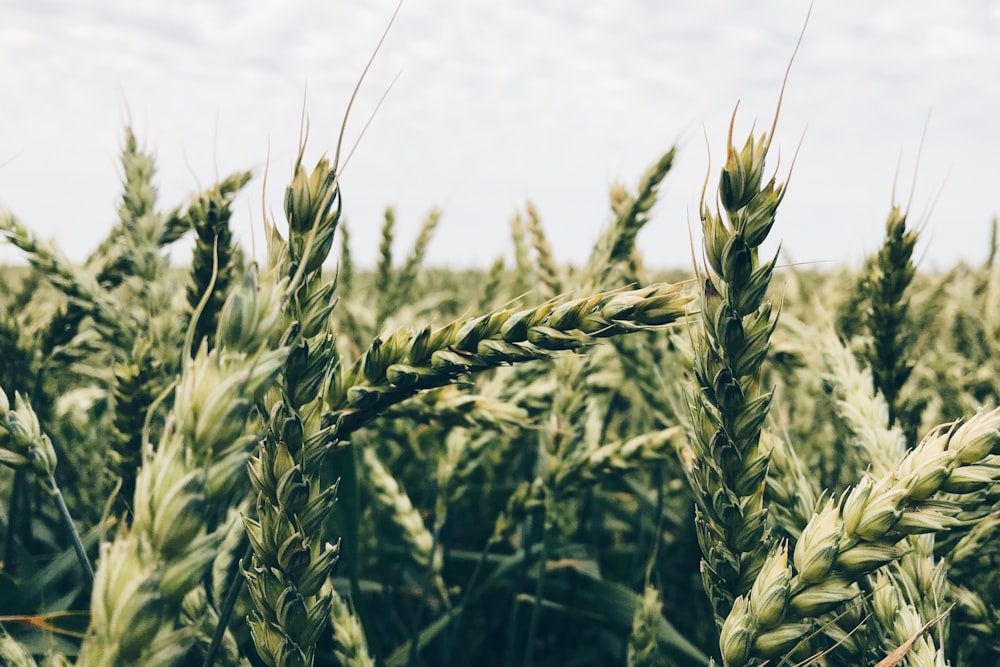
{"points": [[736, 635], [769, 594], [818, 546]]}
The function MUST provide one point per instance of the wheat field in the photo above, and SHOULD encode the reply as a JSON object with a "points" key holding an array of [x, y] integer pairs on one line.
{"points": [[297, 462]]}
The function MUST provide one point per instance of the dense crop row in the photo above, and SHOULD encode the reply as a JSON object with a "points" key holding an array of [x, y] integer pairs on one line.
{"points": [[243, 464]]}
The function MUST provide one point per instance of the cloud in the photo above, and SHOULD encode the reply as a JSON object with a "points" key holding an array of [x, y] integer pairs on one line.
{"points": [[498, 103]]}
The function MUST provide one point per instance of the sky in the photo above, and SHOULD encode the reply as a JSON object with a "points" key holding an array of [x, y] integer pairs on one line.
{"points": [[498, 103]]}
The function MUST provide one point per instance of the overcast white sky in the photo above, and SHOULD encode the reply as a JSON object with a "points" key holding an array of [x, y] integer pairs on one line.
{"points": [[500, 102]]}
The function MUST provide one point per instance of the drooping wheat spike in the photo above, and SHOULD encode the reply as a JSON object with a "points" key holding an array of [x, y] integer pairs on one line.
{"points": [[616, 244], [550, 275], [213, 260], [888, 328], [405, 362], [183, 488], [725, 462], [849, 539], [293, 555]]}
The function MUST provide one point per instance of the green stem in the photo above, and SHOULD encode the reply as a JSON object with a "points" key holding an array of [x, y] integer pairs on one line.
{"points": [[343, 464], [236, 582], [466, 597], [526, 531], [536, 609], [81, 553], [423, 596]]}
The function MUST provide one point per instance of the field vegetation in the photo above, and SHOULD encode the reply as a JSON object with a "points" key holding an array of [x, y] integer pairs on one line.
{"points": [[295, 462]]}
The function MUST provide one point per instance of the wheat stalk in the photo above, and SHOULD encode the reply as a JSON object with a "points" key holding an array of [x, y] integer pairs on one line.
{"points": [[616, 245], [890, 275], [150, 567], [847, 540], [214, 263], [725, 462], [405, 362], [293, 554], [643, 647], [550, 274], [24, 445]]}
